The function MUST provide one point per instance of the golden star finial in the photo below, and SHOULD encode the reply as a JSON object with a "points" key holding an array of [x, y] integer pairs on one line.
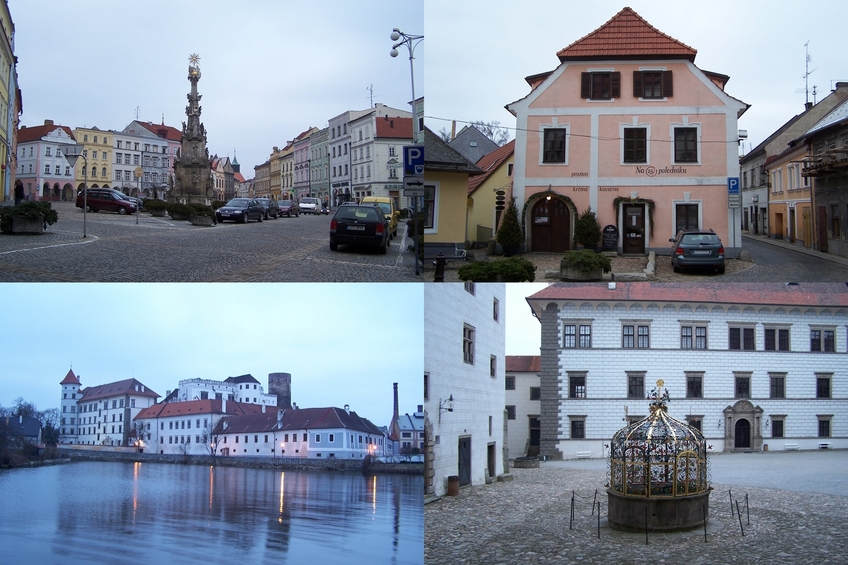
{"points": [[194, 60], [660, 383]]}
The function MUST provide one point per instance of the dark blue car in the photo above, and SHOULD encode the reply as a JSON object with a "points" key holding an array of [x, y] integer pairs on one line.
{"points": [[240, 210]]}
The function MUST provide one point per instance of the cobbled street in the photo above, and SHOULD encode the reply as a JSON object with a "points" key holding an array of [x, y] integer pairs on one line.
{"points": [[797, 502], [117, 249]]}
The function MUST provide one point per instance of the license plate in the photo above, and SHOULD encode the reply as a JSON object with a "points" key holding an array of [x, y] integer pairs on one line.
{"points": [[702, 252], [356, 228]]}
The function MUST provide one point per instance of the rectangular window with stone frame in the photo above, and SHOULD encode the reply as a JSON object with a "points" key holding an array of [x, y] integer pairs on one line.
{"points": [[509, 382], [696, 422], [693, 337], [554, 145], [777, 426], [823, 385], [468, 344], [741, 338], [743, 385], [776, 339], [653, 84], [777, 385], [578, 427], [822, 339], [635, 384], [694, 385], [510, 412], [824, 425], [577, 385]]}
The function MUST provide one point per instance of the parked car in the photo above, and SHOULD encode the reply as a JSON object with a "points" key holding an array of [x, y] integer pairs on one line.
{"points": [[309, 205], [105, 199], [696, 248], [388, 206], [240, 210], [288, 208], [359, 224], [272, 209]]}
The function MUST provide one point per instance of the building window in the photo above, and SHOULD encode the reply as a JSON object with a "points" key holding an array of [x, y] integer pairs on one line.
{"points": [[635, 145], [600, 86], [824, 426], [695, 422], [776, 339], [777, 385], [469, 287], [510, 383], [741, 339], [685, 145], [822, 340], [578, 427], [635, 385], [554, 145], [493, 366], [535, 393], [694, 385], [585, 336], [835, 226], [685, 217], [822, 386], [495, 309], [510, 412], [743, 386], [652, 84], [468, 344], [426, 386], [577, 386], [686, 337]]}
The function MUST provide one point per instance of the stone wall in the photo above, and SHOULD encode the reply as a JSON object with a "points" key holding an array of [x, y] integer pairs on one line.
{"points": [[549, 419]]}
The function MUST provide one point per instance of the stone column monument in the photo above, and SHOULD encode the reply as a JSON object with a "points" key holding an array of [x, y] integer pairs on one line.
{"points": [[192, 182]]}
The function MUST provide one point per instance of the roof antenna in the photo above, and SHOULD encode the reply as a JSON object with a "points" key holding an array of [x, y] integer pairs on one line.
{"points": [[807, 73]]}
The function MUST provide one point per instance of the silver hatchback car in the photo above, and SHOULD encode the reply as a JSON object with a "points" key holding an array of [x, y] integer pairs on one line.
{"points": [[696, 248]]}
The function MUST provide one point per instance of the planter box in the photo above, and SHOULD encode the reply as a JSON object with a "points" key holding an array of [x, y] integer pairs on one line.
{"points": [[158, 213], [22, 224], [202, 220], [176, 216], [574, 274]]}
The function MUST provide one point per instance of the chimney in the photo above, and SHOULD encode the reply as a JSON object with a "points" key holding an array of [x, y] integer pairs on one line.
{"points": [[808, 105], [263, 408], [347, 409], [48, 122], [395, 413], [224, 405], [453, 130]]}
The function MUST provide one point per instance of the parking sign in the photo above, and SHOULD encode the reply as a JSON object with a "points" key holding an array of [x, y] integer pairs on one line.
{"points": [[413, 160], [732, 185]]}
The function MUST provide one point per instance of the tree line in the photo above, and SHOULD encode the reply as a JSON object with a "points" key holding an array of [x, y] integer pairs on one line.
{"points": [[12, 444]]}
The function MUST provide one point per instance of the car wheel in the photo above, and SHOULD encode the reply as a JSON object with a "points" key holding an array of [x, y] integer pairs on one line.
{"points": [[674, 267], [333, 245], [244, 219], [720, 270], [384, 249], [122, 211], [260, 218], [88, 209]]}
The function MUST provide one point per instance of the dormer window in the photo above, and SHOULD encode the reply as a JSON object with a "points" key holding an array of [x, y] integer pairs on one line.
{"points": [[652, 84], [600, 85]]}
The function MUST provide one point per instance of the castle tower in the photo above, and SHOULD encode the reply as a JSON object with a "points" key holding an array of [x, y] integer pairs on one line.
{"points": [[280, 384], [68, 419], [192, 169]]}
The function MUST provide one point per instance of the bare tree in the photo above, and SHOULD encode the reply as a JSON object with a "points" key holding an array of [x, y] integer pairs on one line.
{"points": [[445, 135], [493, 130], [50, 420], [25, 409], [210, 440]]}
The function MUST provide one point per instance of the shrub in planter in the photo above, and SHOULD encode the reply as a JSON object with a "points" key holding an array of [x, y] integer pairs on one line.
{"points": [[217, 204], [179, 211], [201, 210], [587, 229], [586, 260], [152, 204], [512, 269], [509, 234], [31, 209]]}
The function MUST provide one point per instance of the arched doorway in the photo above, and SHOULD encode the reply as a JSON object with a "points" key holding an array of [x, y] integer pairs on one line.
{"points": [[551, 226], [742, 432]]}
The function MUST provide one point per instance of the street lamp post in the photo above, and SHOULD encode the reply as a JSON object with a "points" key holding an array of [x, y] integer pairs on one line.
{"points": [[411, 41], [138, 172], [72, 153]]}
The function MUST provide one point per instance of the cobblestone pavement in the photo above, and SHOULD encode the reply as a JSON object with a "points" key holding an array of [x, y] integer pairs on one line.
{"points": [[526, 521], [161, 250]]}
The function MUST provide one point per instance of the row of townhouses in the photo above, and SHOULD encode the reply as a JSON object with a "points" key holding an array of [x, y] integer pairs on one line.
{"points": [[628, 126], [232, 417], [358, 154], [11, 104], [754, 367]]}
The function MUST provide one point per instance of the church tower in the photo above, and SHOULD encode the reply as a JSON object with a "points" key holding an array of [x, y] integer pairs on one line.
{"points": [[70, 394], [192, 170]]}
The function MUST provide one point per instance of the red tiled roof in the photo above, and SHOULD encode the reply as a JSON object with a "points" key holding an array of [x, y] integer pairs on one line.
{"points": [[626, 35], [776, 294], [299, 419], [523, 363], [127, 386], [35, 133], [70, 379], [171, 133], [394, 127], [209, 406], [239, 177], [489, 163]]}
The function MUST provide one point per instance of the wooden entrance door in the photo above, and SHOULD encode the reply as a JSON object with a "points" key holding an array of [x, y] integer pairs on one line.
{"points": [[551, 227], [634, 229], [464, 461], [535, 436], [742, 432], [822, 225]]}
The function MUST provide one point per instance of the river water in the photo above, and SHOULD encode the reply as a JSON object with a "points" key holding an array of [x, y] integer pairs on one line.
{"points": [[97, 512]]}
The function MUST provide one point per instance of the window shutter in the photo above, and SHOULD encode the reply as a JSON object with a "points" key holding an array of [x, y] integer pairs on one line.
{"points": [[615, 85], [585, 85], [637, 84], [668, 83]]}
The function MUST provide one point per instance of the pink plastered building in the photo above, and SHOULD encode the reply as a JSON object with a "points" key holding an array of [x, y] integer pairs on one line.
{"points": [[628, 126]]}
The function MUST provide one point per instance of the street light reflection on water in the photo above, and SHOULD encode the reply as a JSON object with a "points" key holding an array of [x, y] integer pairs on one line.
{"points": [[82, 512]]}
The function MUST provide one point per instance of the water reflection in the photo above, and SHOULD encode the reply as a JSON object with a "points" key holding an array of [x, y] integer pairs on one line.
{"points": [[146, 513]]}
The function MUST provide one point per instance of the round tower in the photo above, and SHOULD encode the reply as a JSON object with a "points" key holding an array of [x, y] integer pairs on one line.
{"points": [[280, 384], [70, 394]]}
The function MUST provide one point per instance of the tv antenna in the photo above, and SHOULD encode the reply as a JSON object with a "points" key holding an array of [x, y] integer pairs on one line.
{"points": [[370, 90], [807, 73], [136, 112]]}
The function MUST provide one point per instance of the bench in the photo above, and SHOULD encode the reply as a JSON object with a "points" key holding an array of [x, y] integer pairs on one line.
{"points": [[584, 454], [825, 445], [790, 446]]}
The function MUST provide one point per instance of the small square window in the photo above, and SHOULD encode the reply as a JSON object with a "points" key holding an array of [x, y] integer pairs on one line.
{"points": [[578, 428], [694, 386], [510, 412], [577, 386], [535, 393], [510, 383]]}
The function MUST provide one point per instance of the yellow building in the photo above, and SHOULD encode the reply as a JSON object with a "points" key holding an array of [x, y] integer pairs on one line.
{"points": [[446, 175], [9, 104], [790, 213], [483, 189], [97, 150]]}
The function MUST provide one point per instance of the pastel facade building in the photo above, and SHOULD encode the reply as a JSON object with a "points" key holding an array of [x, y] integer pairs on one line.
{"points": [[464, 340], [42, 168], [486, 190], [628, 126], [752, 366], [523, 405]]}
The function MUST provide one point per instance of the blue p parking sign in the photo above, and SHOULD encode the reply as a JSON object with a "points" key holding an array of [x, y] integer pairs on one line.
{"points": [[413, 160], [732, 185]]}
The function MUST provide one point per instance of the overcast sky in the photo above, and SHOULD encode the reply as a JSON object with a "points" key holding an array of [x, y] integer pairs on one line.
{"points": [[480, 51], [523, 330], [342, 343], [270, 69]]}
